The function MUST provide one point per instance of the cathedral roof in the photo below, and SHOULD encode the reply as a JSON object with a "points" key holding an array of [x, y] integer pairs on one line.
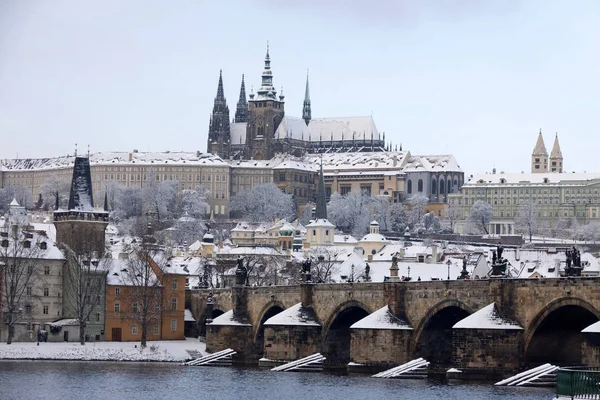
{"points": [[327, 129], [441, 163]]}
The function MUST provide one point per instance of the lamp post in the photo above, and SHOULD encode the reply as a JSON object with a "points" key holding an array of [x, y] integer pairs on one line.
{"points": [[408, 272], [448, 263]]}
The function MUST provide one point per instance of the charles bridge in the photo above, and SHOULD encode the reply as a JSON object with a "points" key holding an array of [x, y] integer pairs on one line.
{"points": [[547, 316]]}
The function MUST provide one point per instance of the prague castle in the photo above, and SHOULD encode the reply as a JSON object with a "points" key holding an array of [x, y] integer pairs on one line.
{"points": [[261, 129]]}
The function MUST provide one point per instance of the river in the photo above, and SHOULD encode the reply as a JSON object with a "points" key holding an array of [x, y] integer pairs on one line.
{"points": [[67, 380]]}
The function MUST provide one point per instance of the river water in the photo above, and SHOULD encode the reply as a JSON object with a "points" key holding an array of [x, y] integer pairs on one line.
{"points": [[101, 380]]}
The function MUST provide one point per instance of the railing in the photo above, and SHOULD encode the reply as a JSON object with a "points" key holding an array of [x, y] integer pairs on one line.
{"points": [[578, 382]]}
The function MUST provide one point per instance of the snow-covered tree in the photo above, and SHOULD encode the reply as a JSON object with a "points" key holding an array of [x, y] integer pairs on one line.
{"points": [[352, 212], [453, 214], [7, 194], [83, 286], [306, 214], [130, 203], [417, 205], [19, 192], [263, 203], [54, 187], [591, 231], [383, 212], [159, 196], [480, 216], [19, 256], [527, 219], [193, 202]]}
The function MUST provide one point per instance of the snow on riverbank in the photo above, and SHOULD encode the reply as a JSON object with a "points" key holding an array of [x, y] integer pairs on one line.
{"points": [[164, 351]]}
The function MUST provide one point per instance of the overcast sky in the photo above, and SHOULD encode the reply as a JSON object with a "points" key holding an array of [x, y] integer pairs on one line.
{"points": [[477, 79]]}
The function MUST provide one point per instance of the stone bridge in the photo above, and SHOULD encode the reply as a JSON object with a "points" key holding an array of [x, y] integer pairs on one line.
{"points": [[533, 321]]}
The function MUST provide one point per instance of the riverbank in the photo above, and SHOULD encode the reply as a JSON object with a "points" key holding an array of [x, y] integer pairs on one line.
{"points": [[162, 351]]}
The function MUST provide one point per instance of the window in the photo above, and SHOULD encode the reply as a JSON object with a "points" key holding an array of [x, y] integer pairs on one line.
{"points": [[174, 284], [135, 307], [173, 325], [173, 304], [46, 291], [314, 232], [409, 187], [117, 291], [45, 310], [155, 329], [27, 309], [117, 307], [344, 190], [47, 270], [28, 290], [97, 317], [326, 232], [4, 242], [156, 307], [420, 185], [134, 330]]}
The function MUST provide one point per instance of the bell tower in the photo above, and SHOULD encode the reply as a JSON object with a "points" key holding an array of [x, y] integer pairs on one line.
{"points": [[539, 156], [266, 113]]}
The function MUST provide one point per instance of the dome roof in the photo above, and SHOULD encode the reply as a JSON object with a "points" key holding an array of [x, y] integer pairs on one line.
{"points": [[374, 237]]}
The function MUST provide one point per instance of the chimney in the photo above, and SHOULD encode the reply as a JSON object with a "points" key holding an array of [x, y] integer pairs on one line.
{"points": [[130, 157], [434, 254]]}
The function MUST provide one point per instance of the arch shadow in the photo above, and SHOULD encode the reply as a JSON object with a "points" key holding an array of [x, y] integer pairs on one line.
{"points": [[266, 313]]}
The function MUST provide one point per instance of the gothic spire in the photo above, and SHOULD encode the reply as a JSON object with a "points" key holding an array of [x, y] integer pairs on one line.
{"points": [[306, 112], [556, 153], [241, 112], [321, 211], [81, 197], [540, 147], [220, 94], [267, 90]]}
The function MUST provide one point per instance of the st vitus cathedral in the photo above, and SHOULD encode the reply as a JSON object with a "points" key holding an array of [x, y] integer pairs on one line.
{"points": [[261, 129]]}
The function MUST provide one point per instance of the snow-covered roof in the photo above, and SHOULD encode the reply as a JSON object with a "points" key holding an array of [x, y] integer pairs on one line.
{"points": [[118, 157], [228, 319], [382, 319], [552, 178], [328, 129], [188, 316], [295, 315], [487, 318], [436, 163], [320, 223], [65, 322], [36, 251], [337, 163], [237, 132], [344, 239], [374, 237], [120, 273], [14, 203]]}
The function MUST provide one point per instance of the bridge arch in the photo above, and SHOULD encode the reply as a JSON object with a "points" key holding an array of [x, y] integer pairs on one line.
{"points": [[216, 311], [554, 335], [336, 331], [432, 337], [270, 309]]}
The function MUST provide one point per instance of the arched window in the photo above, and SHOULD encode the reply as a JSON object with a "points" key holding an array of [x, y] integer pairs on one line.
{"points": [[433, 186], [420, 185], [442, 186], [409, 187], [449, 186]]}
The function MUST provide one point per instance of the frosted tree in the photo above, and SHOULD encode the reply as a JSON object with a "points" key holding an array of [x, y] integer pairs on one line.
{"points": [[186, 230], [7, 194], [352, 212], [193, 202], [84, 284], [129, 203], [159, 196], [383, 212], [526, 221], [453, 214], [262, 269], [55, 187], [263, 203], [306, 215], [19, 192], [114, 194], [417, 205], [480, 216], [591, 231], [20, 255]]}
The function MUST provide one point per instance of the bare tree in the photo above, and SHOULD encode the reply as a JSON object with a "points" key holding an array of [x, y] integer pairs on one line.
{"points": [[143, 290], [84, 285], [263, 203], [527, 219], [453, 214], [480, 215], [20, 251], [323, 266]]}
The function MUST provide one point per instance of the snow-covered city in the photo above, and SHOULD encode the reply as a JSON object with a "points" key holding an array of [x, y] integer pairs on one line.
{"points": [[172, 223]]}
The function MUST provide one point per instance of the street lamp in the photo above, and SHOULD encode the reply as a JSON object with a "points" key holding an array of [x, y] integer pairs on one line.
{"points": [[408, 272], [448, 263]]}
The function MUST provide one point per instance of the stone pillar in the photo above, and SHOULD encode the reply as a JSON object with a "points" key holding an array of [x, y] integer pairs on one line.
{"points": [[306, 294], [395, 294]]}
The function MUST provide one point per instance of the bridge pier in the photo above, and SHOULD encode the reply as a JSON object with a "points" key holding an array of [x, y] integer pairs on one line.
{"points": [[379, 349]]}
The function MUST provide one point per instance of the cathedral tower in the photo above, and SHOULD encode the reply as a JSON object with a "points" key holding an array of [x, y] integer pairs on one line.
{"points": [[306, 113], [266, 112], [219, 136], [556, 158], [241, 111], [539, 157]]}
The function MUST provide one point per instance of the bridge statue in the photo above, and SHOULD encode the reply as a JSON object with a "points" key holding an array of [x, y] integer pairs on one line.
{"points": [[306, 266], [241, 273]]}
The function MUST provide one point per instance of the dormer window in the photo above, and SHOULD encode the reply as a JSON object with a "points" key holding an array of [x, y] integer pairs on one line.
{"points": [[43, 246], [27, 244], [5, 243]]}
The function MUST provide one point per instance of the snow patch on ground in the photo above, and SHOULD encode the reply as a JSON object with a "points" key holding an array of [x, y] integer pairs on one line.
{"points": [[163, 351]]}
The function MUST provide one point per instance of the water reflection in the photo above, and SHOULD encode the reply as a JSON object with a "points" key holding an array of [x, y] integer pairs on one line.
{"points": [[100, 380]]}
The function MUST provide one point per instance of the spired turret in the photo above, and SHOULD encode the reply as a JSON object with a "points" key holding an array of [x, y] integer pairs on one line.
{"points": [[306, 110], [556, 158], [219, 136], [539, 156]]}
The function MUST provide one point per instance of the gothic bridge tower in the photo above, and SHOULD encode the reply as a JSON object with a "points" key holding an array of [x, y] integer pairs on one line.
{"points": [[219, 137], [266, 113]]}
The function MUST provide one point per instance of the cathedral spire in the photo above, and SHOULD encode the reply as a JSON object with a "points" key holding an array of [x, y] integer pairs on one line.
{"points": [[321, 211], [306, 111], [241, 112], [218, 129], [220, 94], [267, 90]]}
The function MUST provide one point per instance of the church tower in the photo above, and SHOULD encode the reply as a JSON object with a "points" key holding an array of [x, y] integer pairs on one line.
{"points": [[219, 136], [556, 158], [306, 113], [81, 226], [266, 113], [241, 111], [539, 157]]}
